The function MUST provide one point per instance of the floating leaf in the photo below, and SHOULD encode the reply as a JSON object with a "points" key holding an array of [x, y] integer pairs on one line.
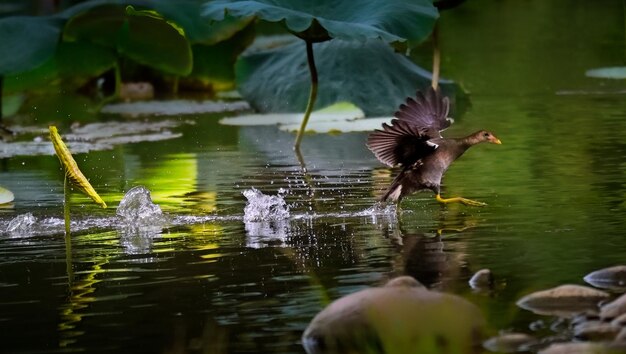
{"points": [[389, 20], [27, 42], [616, 72], [71, 168], [340, 111], [277, 80], [6, 196], [174, 107]]}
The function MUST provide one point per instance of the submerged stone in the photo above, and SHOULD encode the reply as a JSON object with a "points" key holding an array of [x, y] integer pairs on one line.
{"points": [[483, 279], [510, 343], [563, 301], [595, 330], [585, 348], [401, 317], [614, 308], [608, 278]]}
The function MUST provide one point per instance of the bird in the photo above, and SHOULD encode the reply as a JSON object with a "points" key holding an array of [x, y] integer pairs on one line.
{"points": [[414, 142]]}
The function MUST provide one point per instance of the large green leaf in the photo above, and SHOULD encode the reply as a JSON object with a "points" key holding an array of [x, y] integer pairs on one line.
{"points": [[73, 62], [214, 65], [389, 20], [185, 13], [369, 74], [142, 36], [26, 42]]}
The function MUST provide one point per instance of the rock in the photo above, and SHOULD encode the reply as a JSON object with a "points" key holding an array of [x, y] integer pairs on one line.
{"points": [[619, 321], [621, 336], [608, 278], [595, 331], [131, 91], [510, 343], [584, 348], [401, 317], [563, 301], [481, 280], [614, 308]]}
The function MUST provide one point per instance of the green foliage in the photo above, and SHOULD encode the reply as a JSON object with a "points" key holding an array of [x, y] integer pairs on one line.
{"points": [[369, 74], [389, 20], [142, 36], [214, 64], [27, 42]]}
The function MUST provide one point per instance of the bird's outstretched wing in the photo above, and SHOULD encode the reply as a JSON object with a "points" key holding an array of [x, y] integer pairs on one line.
{"points": [[400, 143], [428, 111]]}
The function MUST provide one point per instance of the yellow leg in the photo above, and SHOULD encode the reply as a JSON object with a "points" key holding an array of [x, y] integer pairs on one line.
{"points": [[459, 200]]}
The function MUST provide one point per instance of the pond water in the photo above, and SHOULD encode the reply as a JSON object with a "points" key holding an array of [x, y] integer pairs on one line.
{"points": [[213, 281]]}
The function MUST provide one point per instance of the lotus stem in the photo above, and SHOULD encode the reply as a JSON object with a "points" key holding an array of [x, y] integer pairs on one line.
{"points": [[312, 94], [1, 86], [436, 57], [66, 204]]}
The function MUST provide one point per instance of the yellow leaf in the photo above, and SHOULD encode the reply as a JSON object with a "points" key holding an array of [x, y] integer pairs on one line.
{"points": [[71, 168]]}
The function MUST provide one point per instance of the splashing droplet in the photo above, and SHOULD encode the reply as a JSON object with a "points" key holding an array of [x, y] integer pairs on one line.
{"points": [[137, 208], [262, 207]]}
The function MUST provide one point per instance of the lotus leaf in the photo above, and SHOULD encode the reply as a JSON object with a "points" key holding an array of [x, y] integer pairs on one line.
{"points": [[369, 74], [183, 12], [143, 36], [27, 42], [389, 20]]}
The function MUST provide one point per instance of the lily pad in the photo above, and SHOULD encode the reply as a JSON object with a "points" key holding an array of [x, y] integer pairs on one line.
{"points": [[616, 73], [174, 107], [93, 137], [389, 20], [340, 126], [277, 80], [340, 111], [564, 301], [6, 196]]}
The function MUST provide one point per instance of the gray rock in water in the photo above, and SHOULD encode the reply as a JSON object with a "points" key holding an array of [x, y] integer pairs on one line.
{"points": [[510, 343], [401, 317], [595, 331], [481, 280], [614, 308], [619, 321], [563, 301], [608, 278], [621, 336], [584, 348]]}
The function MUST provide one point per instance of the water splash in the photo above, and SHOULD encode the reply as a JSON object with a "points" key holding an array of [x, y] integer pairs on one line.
{"points": [[137, 209], [262, 207], [21, 224]]}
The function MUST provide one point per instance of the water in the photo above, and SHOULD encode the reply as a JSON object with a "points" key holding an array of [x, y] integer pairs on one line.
{"points": [[214, 277]]}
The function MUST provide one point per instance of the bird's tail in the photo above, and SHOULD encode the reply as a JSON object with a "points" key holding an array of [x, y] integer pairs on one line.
{"points": [[395, 191]]}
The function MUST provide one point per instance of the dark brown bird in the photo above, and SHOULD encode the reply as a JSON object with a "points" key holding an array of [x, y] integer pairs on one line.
{"points": [[414, 141]]}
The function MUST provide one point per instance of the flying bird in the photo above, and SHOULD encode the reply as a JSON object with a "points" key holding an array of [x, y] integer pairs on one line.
{"points": [[414, 142]]}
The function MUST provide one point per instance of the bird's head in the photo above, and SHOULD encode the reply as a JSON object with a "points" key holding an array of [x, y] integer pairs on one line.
{"points": [[485, 136]]}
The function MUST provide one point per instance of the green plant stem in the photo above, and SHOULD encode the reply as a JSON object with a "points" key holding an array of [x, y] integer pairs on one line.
{"points": [[312, 94], [66, 205], [436, 57], [1, 86]]}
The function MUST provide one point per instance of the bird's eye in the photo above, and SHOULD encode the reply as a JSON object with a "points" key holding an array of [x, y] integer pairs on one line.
{"points": [[486, 135]]}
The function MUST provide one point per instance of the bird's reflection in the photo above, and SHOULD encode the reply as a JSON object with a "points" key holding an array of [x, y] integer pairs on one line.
{"points": [[425, 254]]}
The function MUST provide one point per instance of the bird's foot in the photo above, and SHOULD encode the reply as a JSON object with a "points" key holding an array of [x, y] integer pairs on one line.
{"points": [[462, 200]]}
